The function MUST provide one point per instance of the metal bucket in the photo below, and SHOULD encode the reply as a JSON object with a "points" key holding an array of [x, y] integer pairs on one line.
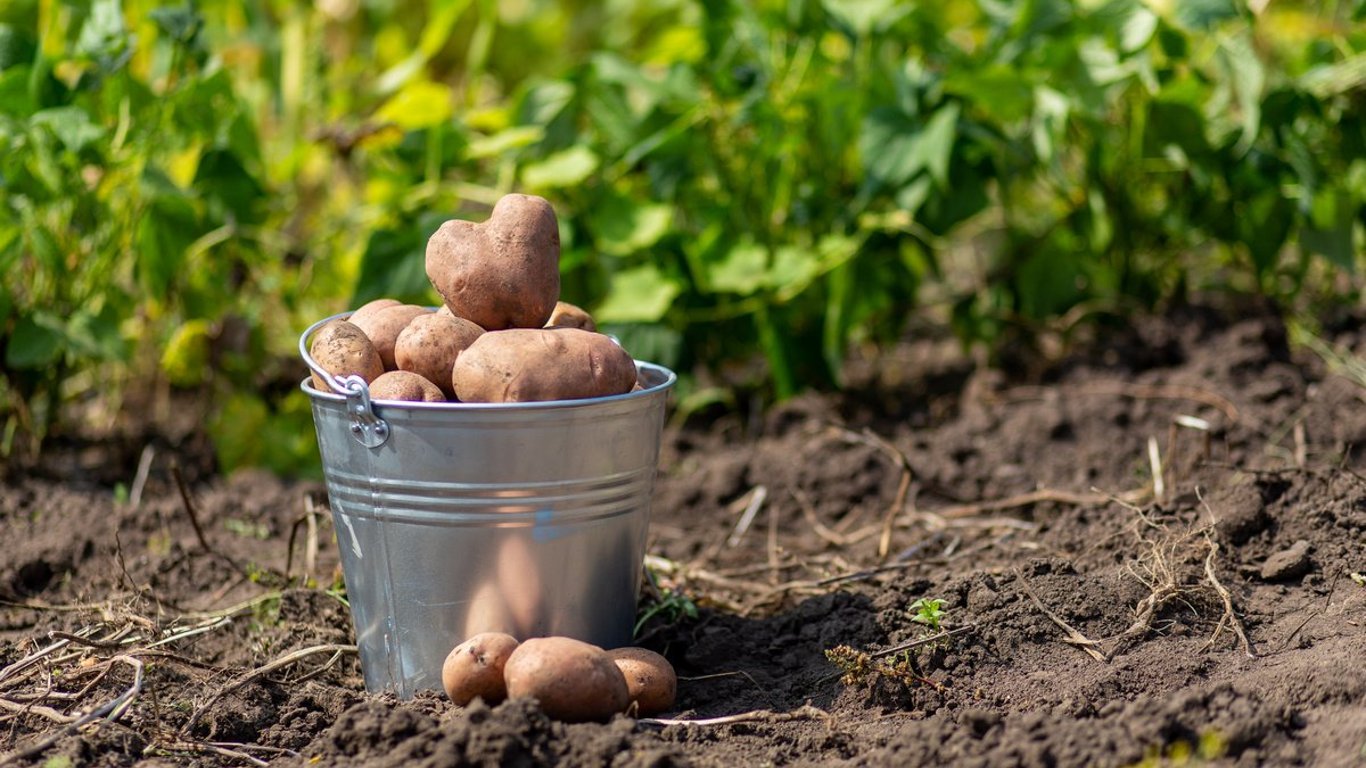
{"points": [[459, 518]]}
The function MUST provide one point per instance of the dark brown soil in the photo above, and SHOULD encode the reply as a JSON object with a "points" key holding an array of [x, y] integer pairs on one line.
{"points": [[1096, 624]]}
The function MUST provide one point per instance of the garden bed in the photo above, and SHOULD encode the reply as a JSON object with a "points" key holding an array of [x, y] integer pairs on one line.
{"points": [[1098, 618]]}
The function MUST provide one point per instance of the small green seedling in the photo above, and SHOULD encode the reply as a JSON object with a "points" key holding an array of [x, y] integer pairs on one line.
{"points": [[1359, 578], [928, 611], [672, 604]]}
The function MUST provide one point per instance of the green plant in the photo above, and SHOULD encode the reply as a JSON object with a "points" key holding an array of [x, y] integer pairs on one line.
{"points": [[929, 612], [184, 188], [672, 605]]}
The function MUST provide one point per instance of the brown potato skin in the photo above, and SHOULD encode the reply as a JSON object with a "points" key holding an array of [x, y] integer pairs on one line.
{"points": [[536, 364], [650, 678], [503, 273], [566, 315], [343, 350], [475, 668], [574, 681], [406, 386], [429, 345], [384, 326], [368, 309]]}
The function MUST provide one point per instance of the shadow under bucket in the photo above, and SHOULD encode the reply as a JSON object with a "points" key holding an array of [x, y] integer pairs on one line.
{"points": [[459, 518]]}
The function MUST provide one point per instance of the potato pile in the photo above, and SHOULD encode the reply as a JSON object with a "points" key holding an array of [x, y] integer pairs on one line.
{"points": [[502, 334], [573, 681]]}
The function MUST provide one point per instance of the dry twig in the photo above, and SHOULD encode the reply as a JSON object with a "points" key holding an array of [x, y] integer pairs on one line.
{"points": [[805, 712], [1073, 637], [336, 649]]}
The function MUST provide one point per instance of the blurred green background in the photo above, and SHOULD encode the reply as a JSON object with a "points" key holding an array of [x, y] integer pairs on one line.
{"points": [[746, 190]]}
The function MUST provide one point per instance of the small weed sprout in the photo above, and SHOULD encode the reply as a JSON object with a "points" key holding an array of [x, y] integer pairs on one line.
{"points": [[672, 604], [930, 612]]}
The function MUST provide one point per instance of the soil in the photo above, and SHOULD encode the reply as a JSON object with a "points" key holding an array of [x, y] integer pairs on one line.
{"points": [[1090, 615]]}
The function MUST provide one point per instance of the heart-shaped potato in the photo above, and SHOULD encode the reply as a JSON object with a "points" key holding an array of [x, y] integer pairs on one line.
{"points": [[503, 273]]}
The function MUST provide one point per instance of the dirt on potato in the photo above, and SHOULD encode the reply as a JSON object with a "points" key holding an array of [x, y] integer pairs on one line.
{"points": [[1090, 616]]}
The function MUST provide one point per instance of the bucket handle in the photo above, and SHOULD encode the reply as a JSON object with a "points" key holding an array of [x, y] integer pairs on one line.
{"points": [[367, 428]]}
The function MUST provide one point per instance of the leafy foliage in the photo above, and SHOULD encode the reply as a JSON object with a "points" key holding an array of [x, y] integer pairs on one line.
{"points": [[184, 187]]}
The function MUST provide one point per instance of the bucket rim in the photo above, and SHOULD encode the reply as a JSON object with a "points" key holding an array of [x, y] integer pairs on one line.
{"points": [[667, 380]]}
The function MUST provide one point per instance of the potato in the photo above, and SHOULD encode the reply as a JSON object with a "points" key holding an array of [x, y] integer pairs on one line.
{"points": [[384, 325], [343, 350], [488, 612], [566, 315], [574, 681], [650, 678], [430, 344], [524, 365], [369, 309], [475, 668], [404, 385], [520, 577], [503, 273]]}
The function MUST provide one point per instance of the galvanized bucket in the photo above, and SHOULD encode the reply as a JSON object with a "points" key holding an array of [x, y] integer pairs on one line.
{"points": [[459, 518]]}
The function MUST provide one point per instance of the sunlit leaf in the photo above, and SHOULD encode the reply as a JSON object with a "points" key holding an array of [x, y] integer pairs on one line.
{"points": [[504, 142], [420, 104], [743, 270], [641, 294], [567, 168], [623, 227], [185, 358], [71, 125], [1138, 30], [862, 17]]}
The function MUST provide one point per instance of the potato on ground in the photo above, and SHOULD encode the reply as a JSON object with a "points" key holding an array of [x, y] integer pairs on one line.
{"points": [[574, 681], [650, 678], [384, 326], [566, 315], [406, 386], [430, 344], [344, 350], [475, 668], [503, 273], [536, 364]]}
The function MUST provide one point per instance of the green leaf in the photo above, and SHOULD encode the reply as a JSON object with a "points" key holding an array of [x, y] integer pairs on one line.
{"points": [[104, 37], [567, 168], [168, 226], [793, 268], [71, 125], [862, 17], [394, 264], [895, 148], [1263, 226], [223, 179], [504, 141], [1245, 71], [37, 342], [1203, 15], [1000, 91], [419, 104], [639, 295], [1330, 228], [1138, 30], [96, 335], [185, 359], [622, 226], [743, 270], [650, 342], [181, 24]]}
